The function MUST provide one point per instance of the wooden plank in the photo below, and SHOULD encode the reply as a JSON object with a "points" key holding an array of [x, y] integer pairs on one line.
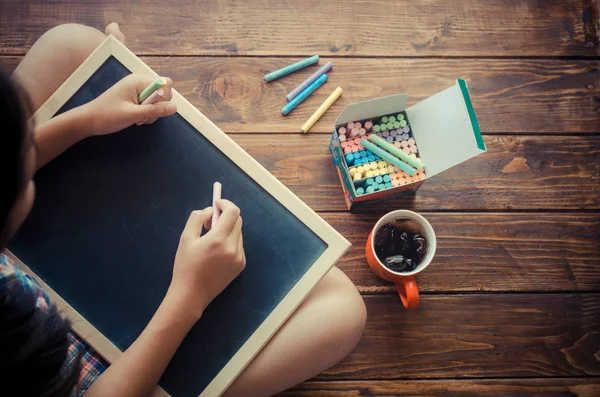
{"points": [[517, 173], [477, 336], [340, 27], [509, 96], [553, 387], [490, 252]]}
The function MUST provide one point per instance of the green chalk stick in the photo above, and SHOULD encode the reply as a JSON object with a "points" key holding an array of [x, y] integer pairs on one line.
{"points": [[392, 119], [376, 128], [386, 178], [396, 125], [155, 85], [370, 189], [383, 127], [403, 123], [360, 191], [384, 119], [379, 179], [400, 117], [389, 125], [291, 68], [382, 143], [370, 181], [387, 156]]}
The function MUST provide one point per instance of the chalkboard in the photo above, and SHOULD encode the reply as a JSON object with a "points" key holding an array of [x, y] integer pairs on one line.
{"points": [[105, 227]]}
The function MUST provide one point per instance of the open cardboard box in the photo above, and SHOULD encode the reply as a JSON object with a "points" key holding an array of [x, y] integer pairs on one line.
{"points": [[444, 127]]}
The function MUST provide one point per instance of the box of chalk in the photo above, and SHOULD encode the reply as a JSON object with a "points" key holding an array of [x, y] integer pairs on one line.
{"points": [[382, 149]]}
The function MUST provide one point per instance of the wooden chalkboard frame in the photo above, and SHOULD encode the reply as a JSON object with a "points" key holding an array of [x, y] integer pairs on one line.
{"points": [[336, 244]]}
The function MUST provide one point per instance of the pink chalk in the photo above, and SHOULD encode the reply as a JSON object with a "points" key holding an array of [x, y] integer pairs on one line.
{"points": [[216, 196], [155, 97]]}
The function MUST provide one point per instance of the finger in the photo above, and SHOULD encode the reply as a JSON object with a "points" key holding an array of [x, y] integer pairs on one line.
{"points": [[156, 110], [241, 247], [150, 121], [230, 213], [236, 232], [193, 227], [167, 89]]}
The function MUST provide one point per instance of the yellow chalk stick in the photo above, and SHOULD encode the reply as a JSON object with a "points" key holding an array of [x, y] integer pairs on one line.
{"points": [[322, 109]]}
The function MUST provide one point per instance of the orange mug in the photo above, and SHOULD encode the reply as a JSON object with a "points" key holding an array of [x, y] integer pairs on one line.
{"points": [[405, 282]]}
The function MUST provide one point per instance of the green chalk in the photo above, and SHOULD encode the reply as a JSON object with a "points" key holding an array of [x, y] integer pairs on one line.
{"points": [[387, 156], [389, 125], [400, 117], [378, 179], [384, 119], [370, 189], [382, 143], [370, 181], [388, 185], [155, 85], [376, 128], [403, 123], [360, 191], [382, 127], [392, 119], [291, 68], [386, 178]]}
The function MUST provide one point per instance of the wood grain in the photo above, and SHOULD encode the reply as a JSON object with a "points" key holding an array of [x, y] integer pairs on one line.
{"points": [[509, 96], [340, 27], [465, 336], [490, 252], [517, 173], [563, 387]]}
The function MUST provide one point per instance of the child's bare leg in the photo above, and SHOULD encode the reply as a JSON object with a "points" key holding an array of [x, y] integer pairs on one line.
{"points": [[324, 329], [55, 55]]}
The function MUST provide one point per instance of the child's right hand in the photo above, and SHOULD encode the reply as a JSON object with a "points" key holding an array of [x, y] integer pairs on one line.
{"points": [[205, 265]]}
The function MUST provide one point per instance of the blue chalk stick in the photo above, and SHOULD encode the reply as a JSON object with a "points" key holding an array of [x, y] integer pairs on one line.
{"points": [[370, 189], [304, 94], [291, 68], [349, 158], [360, 191], [309, 81]]}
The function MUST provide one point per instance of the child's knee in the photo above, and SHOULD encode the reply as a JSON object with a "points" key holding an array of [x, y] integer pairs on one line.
{"points": [[72, 40], [348, 307]]}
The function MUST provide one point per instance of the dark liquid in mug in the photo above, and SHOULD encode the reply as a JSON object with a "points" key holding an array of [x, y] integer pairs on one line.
{"points": [[399, 248]]}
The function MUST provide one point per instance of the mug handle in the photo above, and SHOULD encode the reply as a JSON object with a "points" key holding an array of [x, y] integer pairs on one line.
{"points": [[408, 291]]}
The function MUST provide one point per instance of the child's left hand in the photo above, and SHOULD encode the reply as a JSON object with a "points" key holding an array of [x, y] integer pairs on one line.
{"points": [[118, 107]]}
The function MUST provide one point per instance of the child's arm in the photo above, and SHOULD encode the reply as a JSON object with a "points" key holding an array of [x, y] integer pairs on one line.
{"points": [[112, 111], [204, 266]]}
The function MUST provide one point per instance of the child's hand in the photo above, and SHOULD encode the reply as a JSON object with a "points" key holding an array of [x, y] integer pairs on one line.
{"points": [[205, 265], [118, 107]]}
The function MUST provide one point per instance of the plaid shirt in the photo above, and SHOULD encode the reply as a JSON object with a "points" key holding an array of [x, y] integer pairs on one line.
{"points": [[92, 365]]}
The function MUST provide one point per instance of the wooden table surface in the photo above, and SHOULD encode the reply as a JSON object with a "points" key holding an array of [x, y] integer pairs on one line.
{"points": [[511, 303]]}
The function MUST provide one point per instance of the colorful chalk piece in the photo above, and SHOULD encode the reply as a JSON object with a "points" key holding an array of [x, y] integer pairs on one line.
{"points": [[304, 94], [291, 68]]}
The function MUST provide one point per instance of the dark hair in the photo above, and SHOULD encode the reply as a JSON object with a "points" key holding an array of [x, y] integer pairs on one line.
{"points": [[34, 343], [13, 132], [33, 348]]}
